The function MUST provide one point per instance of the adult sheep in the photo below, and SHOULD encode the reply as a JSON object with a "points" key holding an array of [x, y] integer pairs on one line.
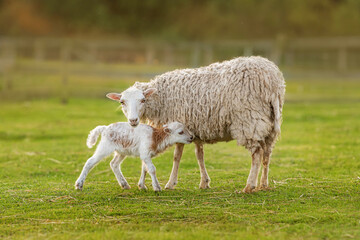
{"points": [[240, 99]]}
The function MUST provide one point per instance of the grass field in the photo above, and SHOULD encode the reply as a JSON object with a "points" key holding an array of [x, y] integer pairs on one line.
{"points": [[314, 174]]}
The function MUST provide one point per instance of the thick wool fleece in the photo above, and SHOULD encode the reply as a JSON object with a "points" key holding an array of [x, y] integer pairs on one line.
{"points": [[239, 99]]}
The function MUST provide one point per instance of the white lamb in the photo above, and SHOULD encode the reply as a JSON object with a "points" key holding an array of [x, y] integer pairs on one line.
{"points": [[143, 141], [240, 99]]}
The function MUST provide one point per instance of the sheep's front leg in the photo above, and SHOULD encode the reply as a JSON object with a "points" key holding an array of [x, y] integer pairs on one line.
{"points": [[115, 165], [174, 173], [205, 179], [141, 183], [254, 171], [152, 171]]}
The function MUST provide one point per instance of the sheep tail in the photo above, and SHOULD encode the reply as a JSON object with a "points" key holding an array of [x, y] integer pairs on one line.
{"points": [[276, 108], [93, 136]]}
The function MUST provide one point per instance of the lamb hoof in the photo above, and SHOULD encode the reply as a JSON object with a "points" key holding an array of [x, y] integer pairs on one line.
{"points": [[79, 185], [126, 186], [170, 186], [248, 189]]}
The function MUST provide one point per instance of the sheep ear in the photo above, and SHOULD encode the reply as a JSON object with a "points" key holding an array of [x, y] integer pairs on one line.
{"points": [[114, 96], [167, 130], [149, 92]]}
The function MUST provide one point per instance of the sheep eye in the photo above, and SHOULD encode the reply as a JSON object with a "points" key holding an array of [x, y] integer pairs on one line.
{"points": [[181, 133], [142, 100], [122, 102]]}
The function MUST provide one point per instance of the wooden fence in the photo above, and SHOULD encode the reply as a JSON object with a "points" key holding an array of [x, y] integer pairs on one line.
{"points": [[342, 54]]}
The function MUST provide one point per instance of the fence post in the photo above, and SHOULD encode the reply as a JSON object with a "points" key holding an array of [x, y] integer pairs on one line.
{"points": [[39, 50], [65, 56], [150, 53], [289, 58], [195, 60], [342, 59], [209, 55], [248, 51], [7, 63], [169, 55], [278, 48], [93, 51]]}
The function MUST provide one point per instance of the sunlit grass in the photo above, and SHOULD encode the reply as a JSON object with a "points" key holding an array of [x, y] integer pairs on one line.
{"points": [[314, 173]]}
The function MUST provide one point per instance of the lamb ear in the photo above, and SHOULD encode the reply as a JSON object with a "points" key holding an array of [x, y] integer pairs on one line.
{"points": [[149, 92], [167, 130], [114, 96]]}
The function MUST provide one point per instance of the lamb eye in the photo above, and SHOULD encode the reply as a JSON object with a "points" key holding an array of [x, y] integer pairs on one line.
{"points": [[122, 102], [142, 100], [181, 133]]}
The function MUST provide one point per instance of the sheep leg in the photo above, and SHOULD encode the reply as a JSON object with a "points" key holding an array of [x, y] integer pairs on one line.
{"points": [[175, 169], [264, 182], [205, 179], [99, 154], [141, 183], [152, 172], [115, 165], [254, 171]]}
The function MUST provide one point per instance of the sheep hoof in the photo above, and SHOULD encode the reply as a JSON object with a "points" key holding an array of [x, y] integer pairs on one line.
{"points": [[127, 186], [264, 187], [204, 185], [248, 189], [170, 186], [142, 187]]}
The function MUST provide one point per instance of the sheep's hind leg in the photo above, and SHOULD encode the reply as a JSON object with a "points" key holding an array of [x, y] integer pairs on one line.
{"points": [[205, 179], [115, 165], [264, 182], [174, 173], [152, 172], [141, 183], [254, 171]]}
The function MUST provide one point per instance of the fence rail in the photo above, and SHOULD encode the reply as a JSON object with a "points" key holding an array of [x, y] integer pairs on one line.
{"points": [[333, 53]]}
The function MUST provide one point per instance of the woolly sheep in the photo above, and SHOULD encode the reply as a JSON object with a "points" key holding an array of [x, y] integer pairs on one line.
{"points": [[240, 99], [143, 141]]}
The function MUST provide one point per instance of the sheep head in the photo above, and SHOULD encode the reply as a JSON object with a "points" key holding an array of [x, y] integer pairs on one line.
{"points": [[133, 101]]}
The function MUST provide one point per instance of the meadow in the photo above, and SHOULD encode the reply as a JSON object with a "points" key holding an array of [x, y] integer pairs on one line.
{"points": [[314, 173]]}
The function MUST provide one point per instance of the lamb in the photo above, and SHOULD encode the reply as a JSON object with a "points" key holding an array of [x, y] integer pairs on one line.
{"points": [[239, 99], [143, 141]]}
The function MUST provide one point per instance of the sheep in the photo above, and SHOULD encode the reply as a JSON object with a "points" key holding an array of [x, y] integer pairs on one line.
{"points": [[143, 141], [239, 99]]}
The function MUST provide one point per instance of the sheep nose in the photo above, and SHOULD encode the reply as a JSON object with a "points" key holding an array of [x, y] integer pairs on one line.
{"points": [[133, 122]]}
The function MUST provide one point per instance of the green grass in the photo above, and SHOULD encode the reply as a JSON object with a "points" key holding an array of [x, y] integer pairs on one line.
{"points": [[314, 174]]}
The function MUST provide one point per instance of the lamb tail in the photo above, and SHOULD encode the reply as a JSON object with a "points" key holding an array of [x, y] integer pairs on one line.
{"points": [[93, 136]]}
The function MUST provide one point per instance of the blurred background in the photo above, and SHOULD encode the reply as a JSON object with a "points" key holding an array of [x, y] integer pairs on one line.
{"points": [[78, 48]]}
